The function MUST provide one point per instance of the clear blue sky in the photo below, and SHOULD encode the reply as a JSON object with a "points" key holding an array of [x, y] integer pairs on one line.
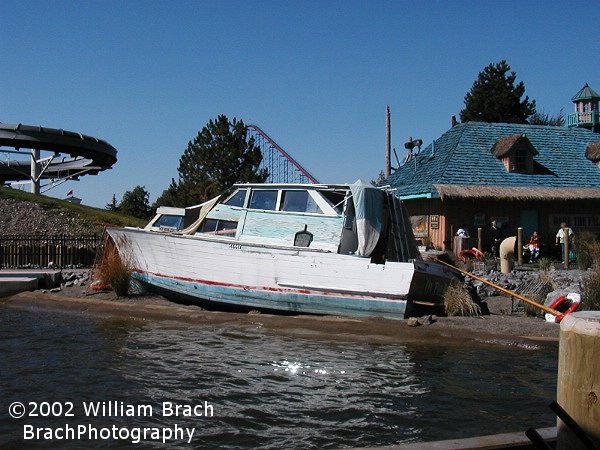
{"points": [[146, 76]]}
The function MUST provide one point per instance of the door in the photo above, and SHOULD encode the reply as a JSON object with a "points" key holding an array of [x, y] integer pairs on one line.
{"points": [[529, 222]]}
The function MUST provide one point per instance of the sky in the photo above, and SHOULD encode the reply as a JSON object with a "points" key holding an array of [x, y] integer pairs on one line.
{"points": [[147, 76]]}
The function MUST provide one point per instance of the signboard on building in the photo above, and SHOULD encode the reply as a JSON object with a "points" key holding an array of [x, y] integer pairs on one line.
{"points": [[479, 220], [578, 222]]}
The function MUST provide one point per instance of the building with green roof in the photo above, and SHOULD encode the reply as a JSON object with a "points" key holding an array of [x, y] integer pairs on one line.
{"points": [[530, 176]]}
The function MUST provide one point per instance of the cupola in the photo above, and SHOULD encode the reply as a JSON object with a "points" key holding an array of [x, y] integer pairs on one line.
{"points": [[587, 109]]}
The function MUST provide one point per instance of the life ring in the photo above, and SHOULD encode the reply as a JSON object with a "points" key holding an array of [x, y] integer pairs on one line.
{"points": [[99, 286], [565, 304], [470, 253]]}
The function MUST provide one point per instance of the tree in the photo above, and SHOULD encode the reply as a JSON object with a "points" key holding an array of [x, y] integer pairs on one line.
{"points": [[112, 206], [135, 203], [495, 98], [545, 119], [380, 179], [220, 156]]}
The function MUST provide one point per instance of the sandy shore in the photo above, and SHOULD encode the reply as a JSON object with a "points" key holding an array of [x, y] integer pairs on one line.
{"points": [[500, 327]]}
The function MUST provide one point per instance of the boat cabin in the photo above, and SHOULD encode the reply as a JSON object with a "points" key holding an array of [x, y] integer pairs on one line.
{"points": [[356, 219]]}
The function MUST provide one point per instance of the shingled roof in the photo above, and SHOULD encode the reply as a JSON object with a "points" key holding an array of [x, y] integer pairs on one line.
{"points": [[586, 93], [461, 164]]}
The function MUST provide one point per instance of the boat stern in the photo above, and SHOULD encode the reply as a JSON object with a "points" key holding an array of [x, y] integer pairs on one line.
{"points": [[429, 284]]}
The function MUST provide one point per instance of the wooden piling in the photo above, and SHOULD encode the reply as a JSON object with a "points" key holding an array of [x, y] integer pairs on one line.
{"points": [[578, 385], [520, 246], [567, 249]]}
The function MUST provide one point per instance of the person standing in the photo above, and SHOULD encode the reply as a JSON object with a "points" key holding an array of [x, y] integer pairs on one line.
{"points": [[564, 232], [495, 238]]}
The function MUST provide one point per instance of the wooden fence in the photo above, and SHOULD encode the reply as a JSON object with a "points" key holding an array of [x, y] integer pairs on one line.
{"points": [[59, 251]]}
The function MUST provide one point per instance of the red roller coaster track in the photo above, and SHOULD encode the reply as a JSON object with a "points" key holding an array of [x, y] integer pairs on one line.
{"points": [[283, 153]]}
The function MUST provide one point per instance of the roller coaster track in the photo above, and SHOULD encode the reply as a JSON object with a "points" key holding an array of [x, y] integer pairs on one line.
{"points": [[281, 166]]}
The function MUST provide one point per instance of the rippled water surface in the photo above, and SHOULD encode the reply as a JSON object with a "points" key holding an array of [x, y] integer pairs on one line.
{"points": [[266, 390]]}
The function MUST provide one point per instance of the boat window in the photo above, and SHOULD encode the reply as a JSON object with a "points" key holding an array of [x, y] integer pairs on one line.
{"points": [[263, 200], [169, 221], [335, 198], [237, 198], [299, 201], [220, 227]]}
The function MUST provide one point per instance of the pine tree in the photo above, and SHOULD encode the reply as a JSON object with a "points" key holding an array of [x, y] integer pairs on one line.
{"points": [[112, 206], [495, 98], [219, 156], [546, 119]]}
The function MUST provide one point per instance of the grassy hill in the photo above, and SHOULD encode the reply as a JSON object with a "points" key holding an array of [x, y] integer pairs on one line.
{"points": [[26, 213]]}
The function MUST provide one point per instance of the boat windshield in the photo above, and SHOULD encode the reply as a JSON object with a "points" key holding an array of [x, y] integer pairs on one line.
{"points": [[237, 198], [335, 199], [299, 201], [169, 221], [266, 200]]}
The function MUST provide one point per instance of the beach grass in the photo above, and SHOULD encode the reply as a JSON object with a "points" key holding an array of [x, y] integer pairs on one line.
{"points": [[114, 269], [458, 302]]}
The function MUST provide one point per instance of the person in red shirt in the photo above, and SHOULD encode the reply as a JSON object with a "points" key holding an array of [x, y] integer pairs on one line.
{"points": [[534, 247]]}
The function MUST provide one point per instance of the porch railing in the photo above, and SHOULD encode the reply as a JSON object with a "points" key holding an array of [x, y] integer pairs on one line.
{"points": [[583, 118], [60, 251]]}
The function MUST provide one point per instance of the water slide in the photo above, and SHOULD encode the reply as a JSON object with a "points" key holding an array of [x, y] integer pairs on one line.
{"points": [[73, 154]]}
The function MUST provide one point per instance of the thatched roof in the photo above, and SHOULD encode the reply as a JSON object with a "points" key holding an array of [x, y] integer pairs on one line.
{"points": [[505, 144], [515, 192], [592, 152]]}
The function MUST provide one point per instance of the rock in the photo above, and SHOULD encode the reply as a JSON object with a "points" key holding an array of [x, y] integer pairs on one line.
{"points": [[31, 219], [431, 319], [413, 322]]}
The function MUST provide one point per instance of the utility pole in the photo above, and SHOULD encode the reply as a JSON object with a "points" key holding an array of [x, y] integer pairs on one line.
{"points": [[388, 144]]}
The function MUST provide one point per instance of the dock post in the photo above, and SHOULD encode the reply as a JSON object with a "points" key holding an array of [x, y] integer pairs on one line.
{"points": [[578, 385], [520, 246], [567, 250]]}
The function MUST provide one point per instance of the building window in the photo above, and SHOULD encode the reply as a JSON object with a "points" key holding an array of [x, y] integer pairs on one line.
{"points": [[520, 160]]}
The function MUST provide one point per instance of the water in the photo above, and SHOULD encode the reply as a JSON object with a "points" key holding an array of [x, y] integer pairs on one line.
{"points": [[265, 389]]}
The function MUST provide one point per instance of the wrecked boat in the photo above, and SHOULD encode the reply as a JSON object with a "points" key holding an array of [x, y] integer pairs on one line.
{"points": [[296, 248]]}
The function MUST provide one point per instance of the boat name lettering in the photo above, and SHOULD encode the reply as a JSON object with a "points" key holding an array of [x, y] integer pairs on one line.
{"points": [[235, 246]]}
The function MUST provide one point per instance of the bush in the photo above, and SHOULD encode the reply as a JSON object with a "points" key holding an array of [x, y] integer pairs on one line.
{"points": [[546, 267], [590, 289], [583, 246], [114, 270], [545, 264], [458, 301]]}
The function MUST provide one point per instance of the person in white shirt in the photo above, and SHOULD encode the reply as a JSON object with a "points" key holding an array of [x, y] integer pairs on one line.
{"points": [[564, 232], [462, 231]]}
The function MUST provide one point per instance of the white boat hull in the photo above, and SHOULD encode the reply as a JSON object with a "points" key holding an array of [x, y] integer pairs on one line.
{"points": [[221, 272]]}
